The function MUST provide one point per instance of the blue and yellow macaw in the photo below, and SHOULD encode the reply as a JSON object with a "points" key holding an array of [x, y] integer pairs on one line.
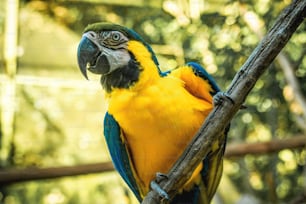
{"points": [[152, 115]]}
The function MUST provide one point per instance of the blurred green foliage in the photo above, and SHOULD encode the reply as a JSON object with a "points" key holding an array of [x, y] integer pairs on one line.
{"points": [[57, 125]]}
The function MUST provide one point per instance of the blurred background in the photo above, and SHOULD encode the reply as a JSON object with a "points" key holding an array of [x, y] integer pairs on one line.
{"points": [[52, 147]]}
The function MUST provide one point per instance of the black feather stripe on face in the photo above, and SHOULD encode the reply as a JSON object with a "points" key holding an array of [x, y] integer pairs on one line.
{"points": [[122, 77]]}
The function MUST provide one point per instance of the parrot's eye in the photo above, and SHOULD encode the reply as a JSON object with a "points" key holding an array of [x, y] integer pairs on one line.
{"points": [[115, 36], [113, 39]]}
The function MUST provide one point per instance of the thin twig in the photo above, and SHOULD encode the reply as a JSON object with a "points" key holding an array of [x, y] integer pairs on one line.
{"points": [[259, 148]]}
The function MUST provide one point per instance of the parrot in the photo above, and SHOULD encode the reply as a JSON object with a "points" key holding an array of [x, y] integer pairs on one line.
{"points": [[152, 115]]}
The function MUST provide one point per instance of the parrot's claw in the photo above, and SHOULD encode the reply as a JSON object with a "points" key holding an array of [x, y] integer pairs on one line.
{"points": [[156, 187], [160, 177], [220, 97]]}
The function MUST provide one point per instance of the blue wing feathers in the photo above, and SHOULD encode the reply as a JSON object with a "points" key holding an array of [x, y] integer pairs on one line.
{"points": [[119, 153]]}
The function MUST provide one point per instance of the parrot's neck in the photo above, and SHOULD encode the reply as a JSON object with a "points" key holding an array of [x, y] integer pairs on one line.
{"points": [[149, 69], [123, 77], [140, 71]]}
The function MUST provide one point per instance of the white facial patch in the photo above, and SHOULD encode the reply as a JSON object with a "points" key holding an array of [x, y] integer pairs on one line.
{"points": [[116, 58]]}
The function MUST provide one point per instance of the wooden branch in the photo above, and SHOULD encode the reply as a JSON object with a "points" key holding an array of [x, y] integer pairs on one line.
{"points": [[288, 69], [30, 174], [244, 81], [292, 80], [238, 150], [10, 176]]}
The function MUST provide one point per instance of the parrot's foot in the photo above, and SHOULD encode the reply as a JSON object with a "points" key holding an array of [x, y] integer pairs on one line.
{"points": [[220, 97], [156, 187], [160, 177]]}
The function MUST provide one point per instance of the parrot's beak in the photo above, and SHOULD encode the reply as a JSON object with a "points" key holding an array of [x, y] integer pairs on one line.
{"points": [[87, 55], [91, 56]]}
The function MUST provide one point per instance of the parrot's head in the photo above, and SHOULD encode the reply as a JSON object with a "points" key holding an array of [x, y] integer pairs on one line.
{"points": [[116, 53]]}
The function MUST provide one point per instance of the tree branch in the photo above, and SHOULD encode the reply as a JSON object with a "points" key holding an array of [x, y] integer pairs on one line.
{"points": [[244, 81], [238, 150], [10, 176]]}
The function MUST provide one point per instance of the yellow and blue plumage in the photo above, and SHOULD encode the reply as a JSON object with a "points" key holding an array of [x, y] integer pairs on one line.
{"points": [[152, 115]]}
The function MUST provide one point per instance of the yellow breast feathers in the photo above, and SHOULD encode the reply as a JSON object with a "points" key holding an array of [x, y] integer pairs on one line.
{"points": [[159, 121]]}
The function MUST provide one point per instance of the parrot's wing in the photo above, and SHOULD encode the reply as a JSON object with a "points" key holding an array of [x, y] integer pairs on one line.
{"points": [[119, 152], [202, 73], [205, 88], [196, 81], [213, 163]]}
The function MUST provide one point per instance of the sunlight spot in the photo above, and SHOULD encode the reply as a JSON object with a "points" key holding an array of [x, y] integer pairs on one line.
{"points": [[301, 38], [231, 167], [173, 8], [288, 93], [149, 29], [255, 181], [283, 188], [265, 105], [230, 20], [253, 20], [262, 6], [54, 197], [112, 17], [260, 133], [289, 160], [252, 99], [296, 108], [286, 155], [223, 39], [302, 158], [212, 68], [208, 59], [259, 84], [247, 118]]}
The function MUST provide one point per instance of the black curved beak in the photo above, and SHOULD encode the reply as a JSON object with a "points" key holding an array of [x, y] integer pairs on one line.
{"points": [[87, 54]]}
